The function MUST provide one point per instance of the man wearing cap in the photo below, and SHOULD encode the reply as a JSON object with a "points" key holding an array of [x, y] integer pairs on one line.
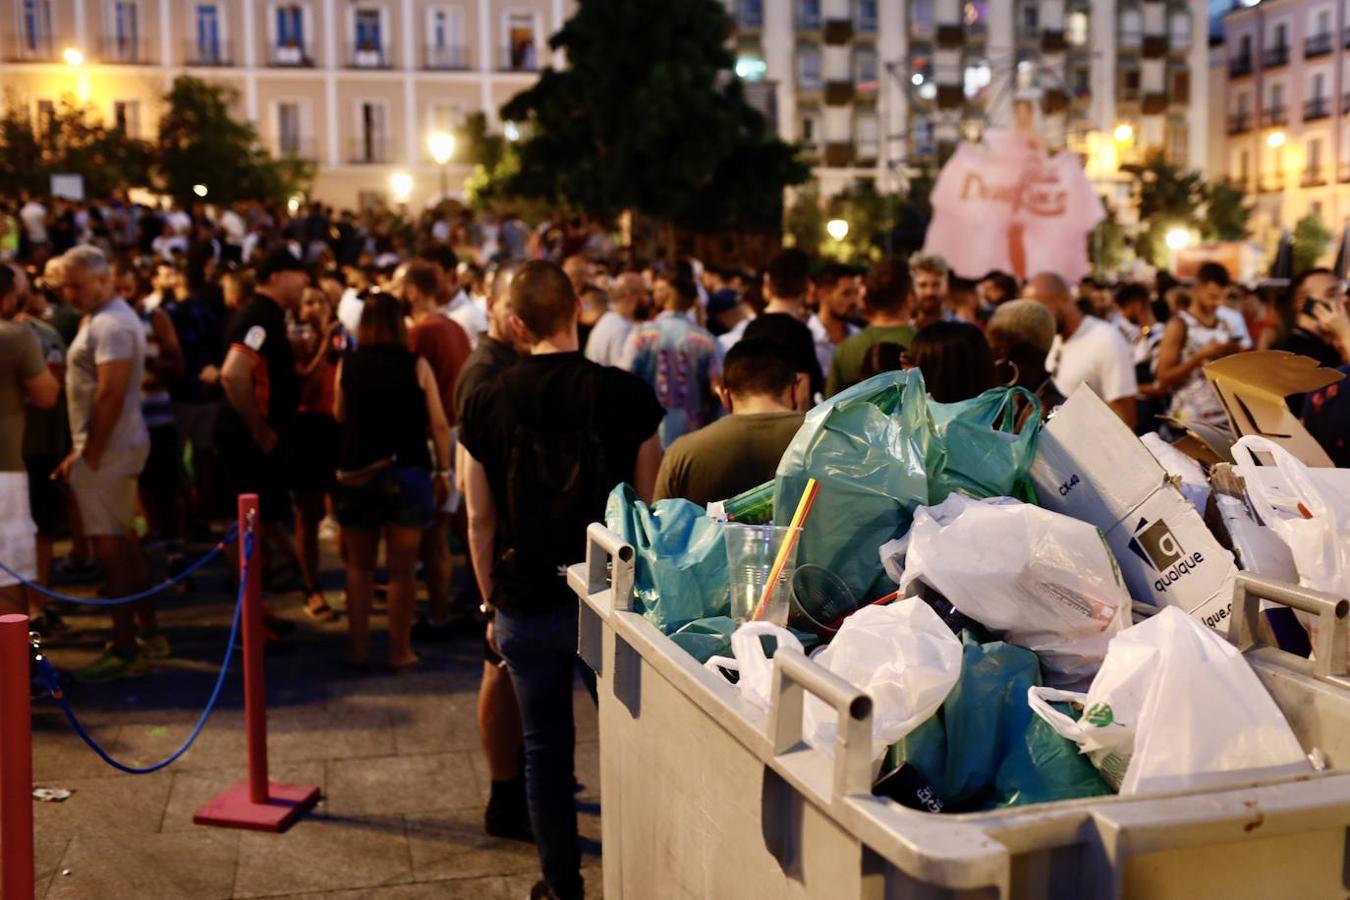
{"points": [[262, 390]]}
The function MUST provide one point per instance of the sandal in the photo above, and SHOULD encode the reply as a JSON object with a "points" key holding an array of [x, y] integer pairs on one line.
{"points": [[320, 611]]}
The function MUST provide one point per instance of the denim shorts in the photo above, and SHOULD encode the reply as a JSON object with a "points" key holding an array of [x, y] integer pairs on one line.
{"points": [[399, 495]]}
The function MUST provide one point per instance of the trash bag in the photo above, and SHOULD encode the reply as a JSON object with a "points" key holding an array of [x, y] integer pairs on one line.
{"points": [[1038, 579], [681, 558], [960, 750], [1043, 767], [867, 446], [706, 638], [754, 645], [1175, 706], [902, 657], [978, 452]]}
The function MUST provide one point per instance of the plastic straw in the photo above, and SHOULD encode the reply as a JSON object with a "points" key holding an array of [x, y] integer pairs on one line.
{"points": [[789, 545]]}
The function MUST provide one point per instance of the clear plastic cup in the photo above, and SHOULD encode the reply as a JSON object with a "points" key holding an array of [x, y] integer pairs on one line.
{"points": [[751, 551]]}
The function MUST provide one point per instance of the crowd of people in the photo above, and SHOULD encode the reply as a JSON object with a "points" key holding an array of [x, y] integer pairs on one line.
{"points": [[476, 382]]}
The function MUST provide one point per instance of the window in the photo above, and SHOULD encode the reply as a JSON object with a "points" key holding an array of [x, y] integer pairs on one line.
{"points": [[370, 147], [1317, 90], [1323, 22], [1281, 35], [523, 56], [867, 16], [290, 26], [866, 136], [808, 14], [1129, 84], [127, 117], [922, 20], [808, 130], [1131, 29], [368, 30], [1179, 30], [46, 117], [1245, 47], [1244, 166], [1080, 81], [975, 78], [126, 29], [1076, 30], [808, 67], [751, 13], [208, 33], [36, 20], [1177, 138], [288, 129], [1314, 156], [1181, 85], [865, 66], [444, 117], [445, 38], [1276, 97], [1243, 101], [1031, 19]]}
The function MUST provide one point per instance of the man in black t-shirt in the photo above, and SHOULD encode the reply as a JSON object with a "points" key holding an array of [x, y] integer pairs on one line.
{"points": [[544, 442]]}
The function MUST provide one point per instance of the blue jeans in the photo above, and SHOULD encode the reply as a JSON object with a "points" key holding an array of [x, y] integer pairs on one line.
{"points": [[541, 654]]}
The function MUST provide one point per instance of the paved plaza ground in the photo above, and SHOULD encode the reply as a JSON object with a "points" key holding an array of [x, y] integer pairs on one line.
{"points": [[396, 755]]}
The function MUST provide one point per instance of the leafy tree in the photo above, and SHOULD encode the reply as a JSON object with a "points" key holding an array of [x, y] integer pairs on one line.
{"points": [[1168, 198], [201, 142], [648, 117], [805, 220], [1226, 213], [1311, 239], [1107, 244], [72, 141]]}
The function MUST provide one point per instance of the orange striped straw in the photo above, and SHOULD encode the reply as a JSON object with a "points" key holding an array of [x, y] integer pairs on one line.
{"points": [[789, 545]]}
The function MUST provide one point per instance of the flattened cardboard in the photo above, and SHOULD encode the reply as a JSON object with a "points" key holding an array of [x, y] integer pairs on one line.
{"points": [[1252, 387], [1091, 467], [1206, 444]]}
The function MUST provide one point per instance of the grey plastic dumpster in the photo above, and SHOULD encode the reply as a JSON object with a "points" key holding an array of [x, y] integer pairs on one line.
{"points": [[705, 796]]}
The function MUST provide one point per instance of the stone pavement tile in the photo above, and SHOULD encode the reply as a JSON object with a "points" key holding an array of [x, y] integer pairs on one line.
{"points": [[197, 864], [456, 889], [436, 725], [59, 754], [398, 784], [220, 744], [585, 715], [451, 844], [46, 863], [517, 887], [587, 765], [324, 854], [104, 806], [192, 790], [300, 733]]}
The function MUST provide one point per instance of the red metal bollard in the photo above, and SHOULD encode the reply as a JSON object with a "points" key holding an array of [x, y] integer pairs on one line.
{"points": [[255, 802], [16, 761]]}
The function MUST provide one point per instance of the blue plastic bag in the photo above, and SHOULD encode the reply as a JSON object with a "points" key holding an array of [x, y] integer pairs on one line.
{"points": [[681, 558], [979, 453], [1044, 766]]}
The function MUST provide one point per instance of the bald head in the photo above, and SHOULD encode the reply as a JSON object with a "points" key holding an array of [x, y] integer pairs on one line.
{"points": [[1052, 292], [627, 294]]}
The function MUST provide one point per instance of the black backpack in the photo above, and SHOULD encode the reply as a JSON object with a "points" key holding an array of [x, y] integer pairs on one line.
{"points": [[557, 483]]}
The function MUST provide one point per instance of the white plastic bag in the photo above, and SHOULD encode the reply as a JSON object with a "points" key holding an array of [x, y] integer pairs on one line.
{"points": [[902, 656], [755, 669], [1313, 521], [1038, 579], [1175, 706], [1180, 467]]}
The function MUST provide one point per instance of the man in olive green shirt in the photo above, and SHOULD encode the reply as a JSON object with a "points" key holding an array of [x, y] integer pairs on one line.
{"points": [[739, 451], [887, 304]]}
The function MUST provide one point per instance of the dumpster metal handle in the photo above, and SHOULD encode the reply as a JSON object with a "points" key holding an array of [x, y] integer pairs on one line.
{"points": [[1331, 612], [793, 676], [609, 564]]}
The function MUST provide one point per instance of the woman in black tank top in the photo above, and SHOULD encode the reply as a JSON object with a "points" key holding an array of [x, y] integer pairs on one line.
{"points": [[387, 401]]}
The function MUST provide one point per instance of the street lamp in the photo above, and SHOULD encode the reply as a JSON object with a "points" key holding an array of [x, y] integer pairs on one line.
{"points": [[199, 190], [1177, 238], [442, 147], [1124, 132], [837, 229], [73, 57], [401, 184], [1275, 139]]}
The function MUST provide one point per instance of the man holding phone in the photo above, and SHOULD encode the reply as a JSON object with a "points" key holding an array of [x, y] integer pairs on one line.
{"points": [[1321, 323], [1193, 337]]}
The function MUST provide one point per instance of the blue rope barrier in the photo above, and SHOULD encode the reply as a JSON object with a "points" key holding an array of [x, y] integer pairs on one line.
{"points": [[53, 680], [182, 576]]}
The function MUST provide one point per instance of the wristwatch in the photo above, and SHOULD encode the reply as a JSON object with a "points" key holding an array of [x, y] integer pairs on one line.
{"points": [[489, 611]]}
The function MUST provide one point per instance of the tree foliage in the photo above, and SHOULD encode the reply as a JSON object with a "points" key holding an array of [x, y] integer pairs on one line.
{"points": [[1226, 212], [1311, 239], [71, 141], [647, 116], [202, 142]]}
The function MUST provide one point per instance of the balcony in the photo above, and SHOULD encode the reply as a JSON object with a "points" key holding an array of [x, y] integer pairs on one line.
{"points": [[202, 54], [123, 50], [839, 154], [368, 56], [521, 57], [29, 48], [1271, 183], [1317, 45], [1239, 122], [839, 92], [1239, 66], [445, 59], [1275, 57], [370, 150], [808, 18], [1316, 108], [750, 14], [289, 56], [297, 147], [838, 31], [1276, 115], [1313, 176]]}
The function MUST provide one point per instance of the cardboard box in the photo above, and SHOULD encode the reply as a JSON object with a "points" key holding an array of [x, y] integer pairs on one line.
{"points": [[1091, 467], [1253, 386]]}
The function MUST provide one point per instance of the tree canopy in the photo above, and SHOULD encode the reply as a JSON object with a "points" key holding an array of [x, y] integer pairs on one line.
{"points": [[70, 141], [648, 116]]}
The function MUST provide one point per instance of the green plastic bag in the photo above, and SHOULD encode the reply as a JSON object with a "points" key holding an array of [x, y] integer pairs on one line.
{"points": [[706, 638], [980, 455], [1044, 766], [681, 558], [867, 448]]}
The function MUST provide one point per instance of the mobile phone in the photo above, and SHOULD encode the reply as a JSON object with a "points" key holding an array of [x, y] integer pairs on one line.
{"points": [[1310, 305]]}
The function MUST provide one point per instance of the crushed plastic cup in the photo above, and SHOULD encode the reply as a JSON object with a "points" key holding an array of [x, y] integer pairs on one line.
{"points": [[751, 552], [819, 600]]}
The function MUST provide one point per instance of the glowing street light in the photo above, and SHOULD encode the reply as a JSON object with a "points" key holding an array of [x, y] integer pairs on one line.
{"points": [[1177, 238], [1124, 132], [512, 131], [401, 184], [199, 190], [1275, 139], [73, 57], [442, 147], [837, 229]]}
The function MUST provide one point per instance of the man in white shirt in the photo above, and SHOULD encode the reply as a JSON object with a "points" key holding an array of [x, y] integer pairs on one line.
{"points": [[839, 292], [34, 217], [457, 305], [611, 331], [1086, 350]]}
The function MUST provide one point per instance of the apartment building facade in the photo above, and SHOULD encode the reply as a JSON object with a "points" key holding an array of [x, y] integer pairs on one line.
{"points": [[356, 86], [875, 88], [1286, 72]]}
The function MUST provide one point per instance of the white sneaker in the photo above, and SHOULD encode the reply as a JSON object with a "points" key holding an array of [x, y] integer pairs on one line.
{"points": [[328, 529]]}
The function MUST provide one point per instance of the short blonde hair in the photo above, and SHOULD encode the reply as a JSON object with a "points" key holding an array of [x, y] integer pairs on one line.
{"points": [[1024, 322]]}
